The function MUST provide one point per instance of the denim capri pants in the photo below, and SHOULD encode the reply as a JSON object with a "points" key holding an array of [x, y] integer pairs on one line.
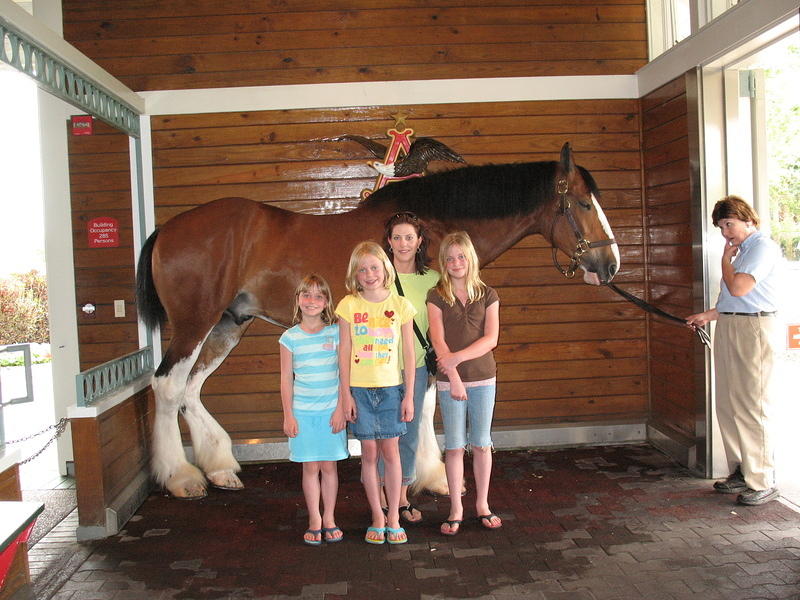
{"points": [[378, 416], [477, 410]]}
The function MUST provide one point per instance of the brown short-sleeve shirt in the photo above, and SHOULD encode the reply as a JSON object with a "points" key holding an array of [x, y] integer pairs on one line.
{"points": [[462, 326]]}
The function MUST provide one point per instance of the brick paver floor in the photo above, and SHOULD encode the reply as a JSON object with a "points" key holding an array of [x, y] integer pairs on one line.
{"points": [[615, 522]]}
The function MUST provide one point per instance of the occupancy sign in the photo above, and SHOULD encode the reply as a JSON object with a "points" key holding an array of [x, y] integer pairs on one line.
{"points": [[103, 232]]}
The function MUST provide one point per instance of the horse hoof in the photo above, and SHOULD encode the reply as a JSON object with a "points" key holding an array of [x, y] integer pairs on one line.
{"points": [[225, 480], [187, 482], [187, 498], [439, 489], [188, 492]]}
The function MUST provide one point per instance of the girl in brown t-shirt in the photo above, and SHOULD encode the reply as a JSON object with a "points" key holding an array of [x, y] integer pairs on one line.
{"points": [[464, 321]]}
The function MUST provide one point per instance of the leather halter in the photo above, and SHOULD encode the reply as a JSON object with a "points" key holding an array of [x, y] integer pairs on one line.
{"points": [[582, 246]]}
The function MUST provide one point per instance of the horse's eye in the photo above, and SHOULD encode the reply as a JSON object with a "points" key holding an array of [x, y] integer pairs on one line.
{"points": [[584, 204]]}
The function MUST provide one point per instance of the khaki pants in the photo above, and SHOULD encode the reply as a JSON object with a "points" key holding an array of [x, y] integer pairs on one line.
{"points": [[743, 350]]}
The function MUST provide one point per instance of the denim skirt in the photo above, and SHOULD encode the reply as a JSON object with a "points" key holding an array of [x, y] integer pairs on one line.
{"points": [[378, 412]]}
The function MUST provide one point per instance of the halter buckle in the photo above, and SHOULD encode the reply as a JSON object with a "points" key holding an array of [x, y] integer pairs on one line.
{"points": [[582, 247]]}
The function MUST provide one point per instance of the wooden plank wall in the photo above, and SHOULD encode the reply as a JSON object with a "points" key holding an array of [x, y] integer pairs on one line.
{"points": [[110, 452], [100, 186], [568, 352], [665, 151], [183, 44], [10, 488], [17, 584]]}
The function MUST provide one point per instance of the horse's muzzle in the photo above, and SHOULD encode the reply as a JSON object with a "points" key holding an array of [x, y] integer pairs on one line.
{"points": [[601, 275], [608, 275]]}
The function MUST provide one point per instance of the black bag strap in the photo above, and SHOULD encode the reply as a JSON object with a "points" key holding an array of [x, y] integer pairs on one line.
{"points": [[423, 342]]}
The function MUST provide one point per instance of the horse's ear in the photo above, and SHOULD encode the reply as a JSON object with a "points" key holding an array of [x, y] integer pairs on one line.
{"points": [[567, 164]]}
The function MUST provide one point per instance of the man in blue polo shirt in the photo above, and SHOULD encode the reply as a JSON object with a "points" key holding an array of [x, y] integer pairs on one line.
{"points": [[744, 346]]}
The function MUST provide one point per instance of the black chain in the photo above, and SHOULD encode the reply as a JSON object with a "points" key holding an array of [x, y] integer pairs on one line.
{"points": [[59, 429]]}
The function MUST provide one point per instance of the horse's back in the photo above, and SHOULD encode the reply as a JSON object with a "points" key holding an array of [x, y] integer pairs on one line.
{"points": [[233, 220], [213, 215], [203, 256]]}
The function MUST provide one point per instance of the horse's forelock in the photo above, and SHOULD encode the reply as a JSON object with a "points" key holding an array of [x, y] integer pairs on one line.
{"points": [[485, 191], [590, 182]]}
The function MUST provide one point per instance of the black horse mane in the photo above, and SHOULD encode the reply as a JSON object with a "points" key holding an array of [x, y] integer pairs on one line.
{"points": [[477, 192]]}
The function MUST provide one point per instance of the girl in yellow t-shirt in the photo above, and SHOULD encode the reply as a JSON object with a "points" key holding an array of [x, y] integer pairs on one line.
{"points": [[375, 326]]}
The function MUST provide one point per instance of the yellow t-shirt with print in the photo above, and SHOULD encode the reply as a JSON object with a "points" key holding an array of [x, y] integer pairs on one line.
{"points": [[376, 338]]}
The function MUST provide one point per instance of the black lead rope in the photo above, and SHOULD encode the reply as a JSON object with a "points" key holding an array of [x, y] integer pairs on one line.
{"points": [[701, 333]]}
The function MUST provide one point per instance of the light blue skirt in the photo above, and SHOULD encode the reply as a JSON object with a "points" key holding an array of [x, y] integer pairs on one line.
{"points": [[315, 439]]}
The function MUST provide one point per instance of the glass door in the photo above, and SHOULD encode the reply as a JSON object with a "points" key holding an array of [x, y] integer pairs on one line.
{"points": [[763, 137]]}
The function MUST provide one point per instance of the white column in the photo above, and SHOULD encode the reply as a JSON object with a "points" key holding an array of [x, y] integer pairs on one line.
{"points": [[53, 114]]}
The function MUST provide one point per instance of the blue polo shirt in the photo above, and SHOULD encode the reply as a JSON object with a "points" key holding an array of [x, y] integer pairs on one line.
{"points": [[760, 257]]}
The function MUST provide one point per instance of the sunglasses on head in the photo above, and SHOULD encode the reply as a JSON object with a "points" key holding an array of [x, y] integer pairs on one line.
{"points": [[405, 214]]}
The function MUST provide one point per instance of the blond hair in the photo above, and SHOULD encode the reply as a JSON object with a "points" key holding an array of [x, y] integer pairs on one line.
{"points": [[474, 284], [360, 251], [306, 284]]}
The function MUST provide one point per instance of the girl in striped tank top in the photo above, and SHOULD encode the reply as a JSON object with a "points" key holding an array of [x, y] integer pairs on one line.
{"points": [[313, 416]]}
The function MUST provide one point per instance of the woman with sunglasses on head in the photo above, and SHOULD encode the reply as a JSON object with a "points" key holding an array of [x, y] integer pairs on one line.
{"points": [[405, 240]]}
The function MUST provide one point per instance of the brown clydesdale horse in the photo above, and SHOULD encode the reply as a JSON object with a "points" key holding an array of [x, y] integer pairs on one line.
{"points": [[212, 269]]}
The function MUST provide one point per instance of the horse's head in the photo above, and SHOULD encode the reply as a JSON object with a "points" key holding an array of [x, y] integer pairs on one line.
{"points": [[580, 228]]}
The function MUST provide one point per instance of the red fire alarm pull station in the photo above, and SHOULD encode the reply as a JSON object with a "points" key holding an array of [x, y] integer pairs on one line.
{"points": [[82, 124], [103, 232]]}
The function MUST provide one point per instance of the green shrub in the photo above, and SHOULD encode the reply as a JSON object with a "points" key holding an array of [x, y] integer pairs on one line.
{"points": [[23, 309], [17, 359]]}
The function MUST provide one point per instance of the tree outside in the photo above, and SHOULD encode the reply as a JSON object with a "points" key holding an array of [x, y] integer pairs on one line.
{"points": [[783, 140], [23, 309]]}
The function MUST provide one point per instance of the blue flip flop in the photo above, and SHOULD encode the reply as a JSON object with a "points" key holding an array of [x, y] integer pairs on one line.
{"points": [[396, 532], [313, 542], [326, 534], [381, 530]]}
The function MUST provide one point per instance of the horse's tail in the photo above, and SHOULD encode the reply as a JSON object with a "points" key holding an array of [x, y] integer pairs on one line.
{"points": [[151, 311]]}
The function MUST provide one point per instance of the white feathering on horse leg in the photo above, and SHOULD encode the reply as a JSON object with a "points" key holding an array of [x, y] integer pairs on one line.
{"points": [[168, 464], [429, 465], [212, 444]]}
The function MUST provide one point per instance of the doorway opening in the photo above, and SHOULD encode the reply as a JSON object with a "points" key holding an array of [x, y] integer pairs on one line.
{"points": [[762, 133], [23, 283]]}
